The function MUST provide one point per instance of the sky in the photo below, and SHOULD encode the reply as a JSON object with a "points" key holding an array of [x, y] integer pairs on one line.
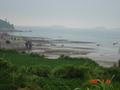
{"points": [[68, 13]]}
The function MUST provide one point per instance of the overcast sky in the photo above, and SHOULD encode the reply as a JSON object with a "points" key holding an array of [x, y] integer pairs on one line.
{"points": [[70, 13]]}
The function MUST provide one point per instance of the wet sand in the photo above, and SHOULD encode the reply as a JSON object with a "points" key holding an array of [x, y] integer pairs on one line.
{"points": [[54, 48]]}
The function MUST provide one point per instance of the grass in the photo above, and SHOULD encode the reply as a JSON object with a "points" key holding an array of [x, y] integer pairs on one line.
{"points": [[27, 59]]}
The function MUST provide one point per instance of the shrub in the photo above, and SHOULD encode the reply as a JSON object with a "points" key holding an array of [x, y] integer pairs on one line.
{"points": [[70, 72], [4, 63], [20, 79], [32, 83], [109, 72], [6, 81], [41, 71], [23, 69]]}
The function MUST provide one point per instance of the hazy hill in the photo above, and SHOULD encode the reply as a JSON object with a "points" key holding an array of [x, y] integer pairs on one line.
{"points": [[4, 25]]}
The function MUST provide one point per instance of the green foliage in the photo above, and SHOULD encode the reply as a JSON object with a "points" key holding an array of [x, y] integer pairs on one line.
{"points": [[40, 71], [5, 78], [102, 86], [109, 72], [4, 64], [17, 58], [33, 72], [70, 71]]}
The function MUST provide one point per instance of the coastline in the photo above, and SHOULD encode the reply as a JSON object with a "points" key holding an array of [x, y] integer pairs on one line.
{"points": [[53, 48], [102, 56]]}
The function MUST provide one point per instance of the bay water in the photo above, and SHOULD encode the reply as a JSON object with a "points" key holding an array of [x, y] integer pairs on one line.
{"points": [[108, 40]]}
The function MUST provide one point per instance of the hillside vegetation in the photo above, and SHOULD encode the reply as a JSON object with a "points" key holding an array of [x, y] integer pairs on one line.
{"points": [[21, 71], [5, 25]]}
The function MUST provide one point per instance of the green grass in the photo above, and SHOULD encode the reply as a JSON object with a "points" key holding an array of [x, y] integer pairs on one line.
{"points": [[27, 60]]}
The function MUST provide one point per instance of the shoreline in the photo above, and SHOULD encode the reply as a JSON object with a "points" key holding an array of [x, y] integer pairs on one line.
{"points": [[53, 48]]}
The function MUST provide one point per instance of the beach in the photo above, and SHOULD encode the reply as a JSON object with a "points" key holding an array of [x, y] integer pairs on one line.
{"points": [[95, 44], [55, 48]]}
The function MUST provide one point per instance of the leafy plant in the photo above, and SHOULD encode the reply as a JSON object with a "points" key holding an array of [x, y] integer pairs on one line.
{"points": [[102, 84]]}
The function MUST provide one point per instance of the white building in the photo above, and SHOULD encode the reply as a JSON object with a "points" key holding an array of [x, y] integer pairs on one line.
{"points": [[11, 42]]}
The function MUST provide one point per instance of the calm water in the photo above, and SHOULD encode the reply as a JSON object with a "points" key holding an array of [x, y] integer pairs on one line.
{"points": [[104, 37]]}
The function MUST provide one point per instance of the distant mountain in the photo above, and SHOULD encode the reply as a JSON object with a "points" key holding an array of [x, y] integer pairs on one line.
{"points": [[4, 25]]}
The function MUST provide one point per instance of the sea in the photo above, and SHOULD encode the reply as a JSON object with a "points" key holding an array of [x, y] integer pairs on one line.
{"points": [[107, 40]]}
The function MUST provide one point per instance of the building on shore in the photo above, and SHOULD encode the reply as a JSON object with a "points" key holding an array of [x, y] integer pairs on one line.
{"points": [[11, 42]]}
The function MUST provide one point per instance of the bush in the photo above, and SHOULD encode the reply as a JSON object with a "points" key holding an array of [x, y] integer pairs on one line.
{"points": [[71, 72], [33, 82], [6, 81], [20, 79], [23, 69], [109, 72], [4, 64], [41, 71]]}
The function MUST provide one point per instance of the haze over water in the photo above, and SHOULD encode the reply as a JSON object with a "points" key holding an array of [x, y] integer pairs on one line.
{"points": [[104, 37]]}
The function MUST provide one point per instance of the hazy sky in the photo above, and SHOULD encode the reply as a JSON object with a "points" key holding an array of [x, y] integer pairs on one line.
{"points": [[70, 13]]}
